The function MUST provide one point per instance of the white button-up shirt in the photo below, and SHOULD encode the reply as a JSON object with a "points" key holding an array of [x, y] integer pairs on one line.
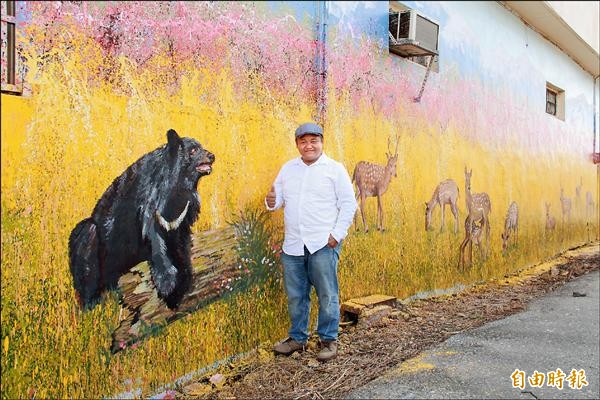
{"points": [[318, 200]]}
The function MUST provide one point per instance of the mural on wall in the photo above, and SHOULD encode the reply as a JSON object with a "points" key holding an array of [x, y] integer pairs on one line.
{"points": [[550, 221], [446, 193], [145, 215], [372, 180], [477, 221], [110, 78], [511, 226]]}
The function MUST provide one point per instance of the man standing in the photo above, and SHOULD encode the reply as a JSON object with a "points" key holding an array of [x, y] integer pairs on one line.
{"points": [[319, 204]]}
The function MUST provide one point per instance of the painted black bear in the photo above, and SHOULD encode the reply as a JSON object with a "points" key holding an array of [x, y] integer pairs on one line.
{"points": [[145, 215]]}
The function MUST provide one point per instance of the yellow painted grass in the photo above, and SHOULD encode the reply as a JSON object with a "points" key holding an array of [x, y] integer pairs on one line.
{"points": [[65, 145]]}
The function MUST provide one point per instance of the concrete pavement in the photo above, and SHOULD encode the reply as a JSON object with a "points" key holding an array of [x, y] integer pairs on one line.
{"points": [[557, 330]]}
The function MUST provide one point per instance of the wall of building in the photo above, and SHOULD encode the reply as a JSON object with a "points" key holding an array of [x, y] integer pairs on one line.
{"points": [[108, 80], [582, 16]]}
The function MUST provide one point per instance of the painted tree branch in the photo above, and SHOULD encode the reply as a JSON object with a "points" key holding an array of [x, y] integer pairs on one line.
{"points": [[143, 313]]}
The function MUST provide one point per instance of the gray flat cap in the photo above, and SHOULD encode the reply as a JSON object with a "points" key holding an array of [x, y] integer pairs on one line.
{"points": [[309, 128]]}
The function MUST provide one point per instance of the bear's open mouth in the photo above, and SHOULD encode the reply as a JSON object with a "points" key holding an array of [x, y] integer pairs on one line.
{"points": [[204, 167]]}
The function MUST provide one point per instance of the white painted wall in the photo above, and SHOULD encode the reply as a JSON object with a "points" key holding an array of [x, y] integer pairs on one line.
{"points": [[583, 17]]}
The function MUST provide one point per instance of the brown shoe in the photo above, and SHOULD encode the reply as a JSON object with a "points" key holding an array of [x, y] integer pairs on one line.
{"points": [[328, 351], [288, 346]]}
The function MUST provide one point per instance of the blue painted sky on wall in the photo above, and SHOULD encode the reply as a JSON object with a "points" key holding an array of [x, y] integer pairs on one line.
{"points": [[478, 40], [354, 19], [301, 10], [371, 18]]}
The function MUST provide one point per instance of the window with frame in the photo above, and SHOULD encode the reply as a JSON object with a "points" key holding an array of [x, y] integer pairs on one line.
{"points": [[10, 80], [555, 101]]}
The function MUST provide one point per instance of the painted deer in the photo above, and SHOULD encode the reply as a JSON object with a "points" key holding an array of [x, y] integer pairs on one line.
{"points": [[578, 193], [565, 203], [550, 221], [372, 180], [511, 225], [479, 207], [590, 207], [446, 193], [476, 236], [578, 198]]}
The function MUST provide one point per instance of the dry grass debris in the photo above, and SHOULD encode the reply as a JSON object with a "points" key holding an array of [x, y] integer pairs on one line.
{"points": [[366, 353]]}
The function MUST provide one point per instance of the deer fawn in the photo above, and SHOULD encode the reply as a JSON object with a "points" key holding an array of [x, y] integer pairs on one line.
{"points": [[578, 199], [550, 221], [590, 208], [511, 224], [565, 203], [578, 193], [476, 236], [446, 193], [372, 180], [479, 207]]}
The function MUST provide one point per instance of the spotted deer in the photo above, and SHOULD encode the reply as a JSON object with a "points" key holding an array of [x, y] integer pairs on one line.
{"points": [[578, 202], [578, 193], [550, 221], [565, 203], [372, 180], [479, 207], [590, 207], [476, 236], [446, 193], [511, 225]]}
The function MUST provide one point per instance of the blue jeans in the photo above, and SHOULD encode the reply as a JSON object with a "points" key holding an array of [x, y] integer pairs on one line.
{"points": [[299, 274]]}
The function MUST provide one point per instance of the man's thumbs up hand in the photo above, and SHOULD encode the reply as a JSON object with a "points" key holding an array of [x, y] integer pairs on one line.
{"points": [[271, 197]]}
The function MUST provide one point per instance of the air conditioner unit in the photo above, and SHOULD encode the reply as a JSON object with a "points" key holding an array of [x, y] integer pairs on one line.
{"points": [[411, 34]]}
